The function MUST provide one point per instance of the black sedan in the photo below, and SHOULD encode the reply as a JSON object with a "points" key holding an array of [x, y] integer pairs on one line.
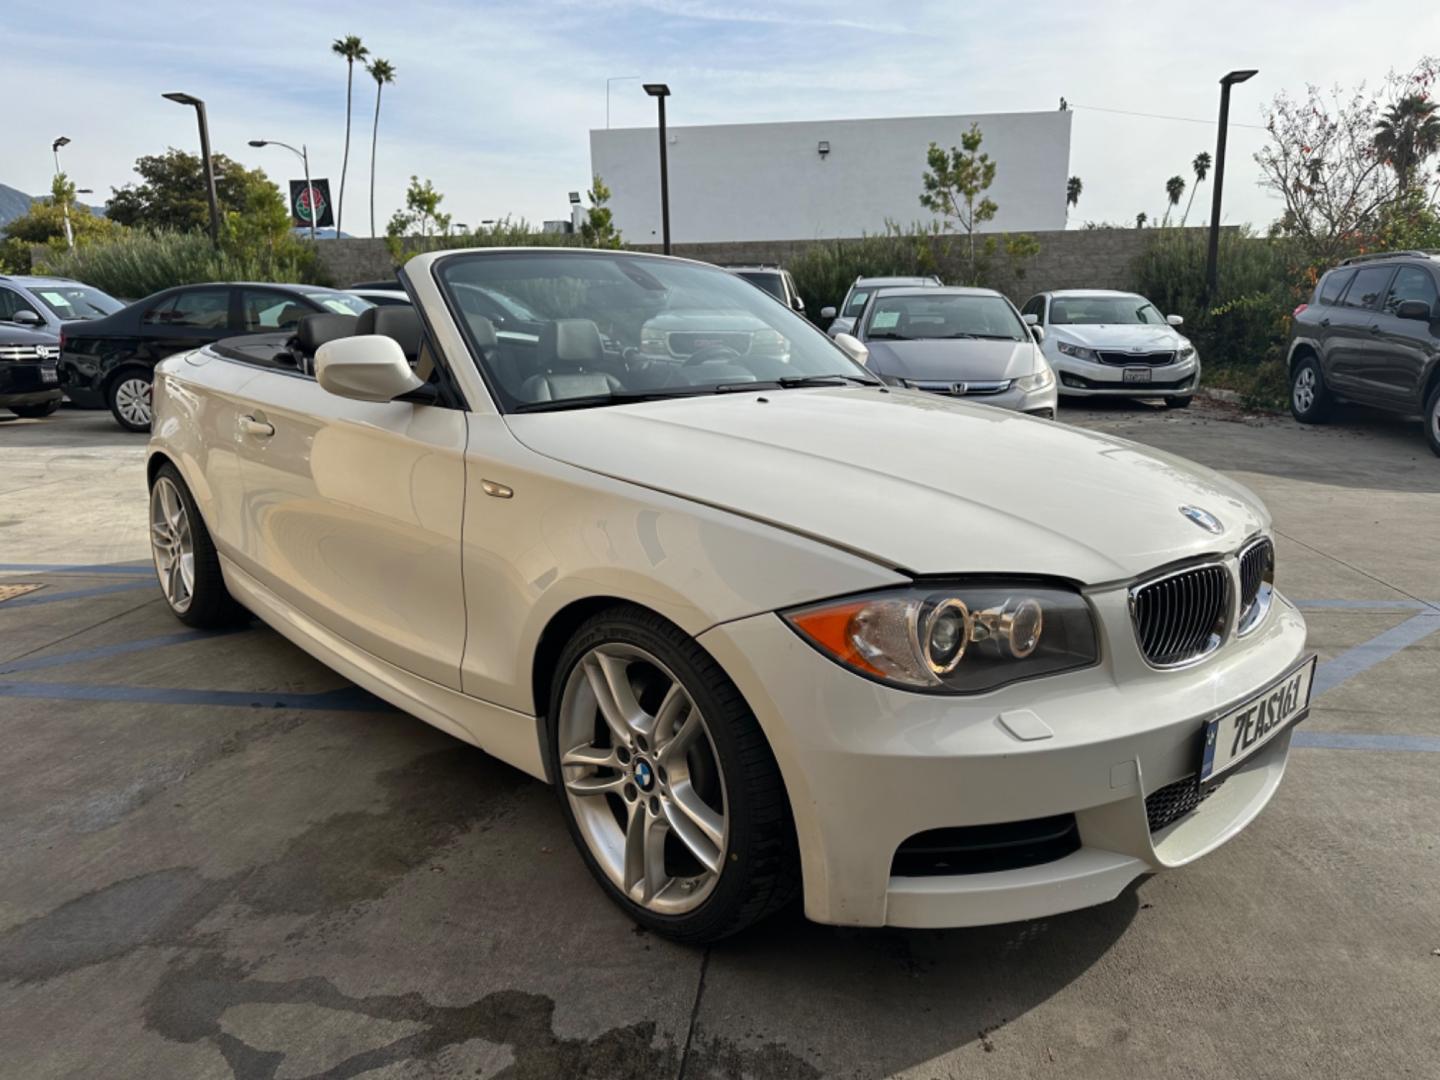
{"points": [[28, 385], [110, 362]]}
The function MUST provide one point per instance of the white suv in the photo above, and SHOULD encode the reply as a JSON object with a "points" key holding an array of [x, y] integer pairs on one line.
{"points": [[843, 321]]}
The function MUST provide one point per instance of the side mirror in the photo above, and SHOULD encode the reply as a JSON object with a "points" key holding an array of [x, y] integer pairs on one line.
{"points": [[26, 317], [1038, 333], [1415, 309], [827, 313], [853, 347], [1175, 320], [1031, 319], [365, 368]]}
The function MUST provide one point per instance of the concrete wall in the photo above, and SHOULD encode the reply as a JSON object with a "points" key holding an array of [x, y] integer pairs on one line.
{"points": [[737, 181]]}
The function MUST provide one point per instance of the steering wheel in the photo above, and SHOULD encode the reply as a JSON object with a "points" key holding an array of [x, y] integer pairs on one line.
{"points": [[712, 354]]}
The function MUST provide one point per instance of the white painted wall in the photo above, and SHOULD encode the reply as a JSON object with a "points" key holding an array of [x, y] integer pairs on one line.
{"points": [[768, 182]]}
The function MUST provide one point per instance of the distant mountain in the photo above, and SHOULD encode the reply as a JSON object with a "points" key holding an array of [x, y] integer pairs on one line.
{"points": [[15, 203]]}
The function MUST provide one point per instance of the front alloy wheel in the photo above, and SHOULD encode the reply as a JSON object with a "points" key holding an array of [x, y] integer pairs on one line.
{"points": [[130, 401], [667, 783]]}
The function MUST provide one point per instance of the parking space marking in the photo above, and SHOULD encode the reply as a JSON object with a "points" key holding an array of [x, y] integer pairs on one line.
{"points": [[1342, 740], [129, 570], [77, 594], [120, 648], [345, 699], [1381, 647]]}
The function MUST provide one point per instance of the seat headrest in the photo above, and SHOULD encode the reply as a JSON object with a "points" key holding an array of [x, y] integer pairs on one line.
{"points": [[315, 330], [398, 321], [571, 342]]}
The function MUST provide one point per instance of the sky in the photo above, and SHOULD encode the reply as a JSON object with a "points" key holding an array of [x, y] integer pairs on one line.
{"points": [[494, 99]]}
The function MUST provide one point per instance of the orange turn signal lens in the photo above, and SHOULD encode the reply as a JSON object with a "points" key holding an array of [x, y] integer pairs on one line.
{"points": [[832, 629]]}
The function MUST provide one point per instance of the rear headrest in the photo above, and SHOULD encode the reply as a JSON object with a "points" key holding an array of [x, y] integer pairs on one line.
{"points": [[315, 330], [572, 342], [398, 321]]}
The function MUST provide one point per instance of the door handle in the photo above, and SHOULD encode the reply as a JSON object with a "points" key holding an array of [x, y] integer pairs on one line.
{"points": [[251, 426], [1374, 328], [1325, 322]]}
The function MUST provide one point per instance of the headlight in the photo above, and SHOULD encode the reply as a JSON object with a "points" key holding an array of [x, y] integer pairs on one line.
{"points": [[1077, 351], [1186, 352], [954, 639], [1040, 380]]}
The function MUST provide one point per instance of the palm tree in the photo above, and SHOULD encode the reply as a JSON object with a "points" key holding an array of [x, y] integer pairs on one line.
{"points": [[1407, 134], [1140, 219], [1073, 188], [1174, 188], [350, 49], [382, 71], [1201, 165]]}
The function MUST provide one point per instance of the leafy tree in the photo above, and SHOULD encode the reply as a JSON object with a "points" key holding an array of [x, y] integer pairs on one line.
{"points": [[599, 228], [44, 224], [955, 186], [172, 192], [422, 213], [349, 48], [1201, 167], [1407, 134], [1073, 188], [382, 71], [1174, 188]]}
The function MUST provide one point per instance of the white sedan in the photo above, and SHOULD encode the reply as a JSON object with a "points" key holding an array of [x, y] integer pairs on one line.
{"points": [[1114, 344], [768, 626]]}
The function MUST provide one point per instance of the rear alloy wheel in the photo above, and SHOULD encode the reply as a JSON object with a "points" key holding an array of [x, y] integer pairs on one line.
{"points": [[667, 783], [185, 559], [1309, 400], [129, 398], [1432, 419], [36, 412]]}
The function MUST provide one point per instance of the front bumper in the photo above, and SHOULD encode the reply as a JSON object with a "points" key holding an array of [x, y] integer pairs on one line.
{"points": [[28, 382], [1033, 402], [1081, 378], [868, 767]]}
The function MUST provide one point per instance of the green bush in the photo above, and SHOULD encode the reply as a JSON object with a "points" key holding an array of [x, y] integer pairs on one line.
{"points": [[140, 263]]}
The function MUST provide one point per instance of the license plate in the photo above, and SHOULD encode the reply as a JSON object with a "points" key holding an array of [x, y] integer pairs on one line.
{"points": [[49, 375], [1135, 374], [1233, 736]]}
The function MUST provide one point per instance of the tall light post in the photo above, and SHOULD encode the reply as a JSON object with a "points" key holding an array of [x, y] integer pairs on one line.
{"points": [[199, 107], [304, 155], [64, 203], [1212, 259], [615, 79], [659, 91]]}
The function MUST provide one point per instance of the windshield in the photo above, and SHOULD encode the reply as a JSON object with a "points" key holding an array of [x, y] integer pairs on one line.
{"points": [[767, 280], [611, 328], [76, 301], [1093, 310], [855, 303], [948, 315], [339, 302]]}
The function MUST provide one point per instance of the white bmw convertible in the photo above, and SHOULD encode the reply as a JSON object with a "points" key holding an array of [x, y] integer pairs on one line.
{"points": [[768, 626]]}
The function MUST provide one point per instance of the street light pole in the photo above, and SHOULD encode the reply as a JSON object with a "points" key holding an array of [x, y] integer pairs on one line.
{"points": [[199, 107], [65, 202], [304, 155], [1212, 258], [659, 91], [614, 79]]}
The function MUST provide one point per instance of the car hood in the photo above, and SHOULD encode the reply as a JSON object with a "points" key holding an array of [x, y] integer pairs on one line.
{"points": [[922, 483], [1142, 336], [20, 335], [944, 360]]}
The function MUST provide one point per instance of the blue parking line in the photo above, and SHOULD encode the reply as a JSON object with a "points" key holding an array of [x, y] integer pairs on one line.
{"points": [[78, 594], [346, 699], [129, 570], [1381, 647], [36, 663], [1341, 740], [1402, 604]]}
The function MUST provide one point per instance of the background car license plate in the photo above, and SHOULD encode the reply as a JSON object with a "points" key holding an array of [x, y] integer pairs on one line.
{"points": [[1234, 736], [1135, 374], [49, 375]]}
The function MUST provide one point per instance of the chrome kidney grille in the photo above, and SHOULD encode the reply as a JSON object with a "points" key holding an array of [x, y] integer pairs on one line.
{"points": [[1257, 579], [1182, 616]]}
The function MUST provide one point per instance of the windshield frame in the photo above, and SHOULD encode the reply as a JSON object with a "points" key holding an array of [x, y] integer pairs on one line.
{"points": [[1117, 299], [938, 295], [797, 329], [38, 291]]}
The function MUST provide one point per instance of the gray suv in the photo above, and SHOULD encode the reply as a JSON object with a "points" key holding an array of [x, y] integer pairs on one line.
{"points": [[1371, 334], [44, 303], [845, 320]]}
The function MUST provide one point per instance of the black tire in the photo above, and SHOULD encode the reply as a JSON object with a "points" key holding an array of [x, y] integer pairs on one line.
{"points": [[1432, 418], [211, 606], [36, 412], [1314, 407], [1179, 402], [759, 872], [120, 384]]}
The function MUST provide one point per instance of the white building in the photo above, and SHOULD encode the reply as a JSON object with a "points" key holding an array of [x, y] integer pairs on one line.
{"points": [[817, 179]]}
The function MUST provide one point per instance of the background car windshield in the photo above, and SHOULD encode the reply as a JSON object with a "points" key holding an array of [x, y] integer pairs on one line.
{"points": [[856, 304], [339, 302], [1093, 310], [616, 326], [770, 282], [77, 301], [908, 318]]}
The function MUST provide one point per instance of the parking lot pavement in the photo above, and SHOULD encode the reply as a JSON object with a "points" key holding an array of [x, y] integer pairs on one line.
{"points": [[219, 859]]}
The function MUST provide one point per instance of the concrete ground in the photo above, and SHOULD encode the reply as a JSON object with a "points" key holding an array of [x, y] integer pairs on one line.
{"points": [[216, 859]]}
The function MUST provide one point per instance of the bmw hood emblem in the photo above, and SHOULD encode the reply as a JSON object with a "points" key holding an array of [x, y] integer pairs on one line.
{"points": [[1203, 518]]}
